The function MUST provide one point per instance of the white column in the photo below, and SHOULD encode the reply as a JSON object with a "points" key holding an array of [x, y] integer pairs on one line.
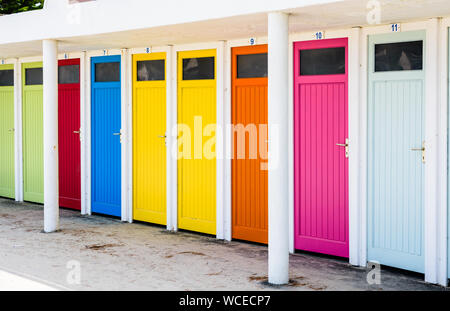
{"points": [[278, 148], [51, 186]]}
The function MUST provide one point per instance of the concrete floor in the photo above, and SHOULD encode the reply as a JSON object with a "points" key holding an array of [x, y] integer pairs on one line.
{"points": [[121, 256]]}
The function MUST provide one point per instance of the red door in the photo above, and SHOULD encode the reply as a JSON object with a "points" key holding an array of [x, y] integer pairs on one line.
{"points": [[321, 132], [69, 138]]}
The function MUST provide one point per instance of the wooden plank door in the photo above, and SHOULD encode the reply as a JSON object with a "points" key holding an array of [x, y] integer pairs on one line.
{"points": [[196, 169], [320, 133], [33, 136], [396, 134], [69, 134], [7, 178], [106, 140], [149, 137], [249, 164]]}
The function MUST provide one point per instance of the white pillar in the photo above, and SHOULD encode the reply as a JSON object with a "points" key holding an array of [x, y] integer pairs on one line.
{"points": [[51, 183], [278, 37]]}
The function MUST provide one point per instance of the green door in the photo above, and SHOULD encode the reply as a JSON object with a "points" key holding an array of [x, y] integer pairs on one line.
{"points": [[33, 139], [7, 131]]}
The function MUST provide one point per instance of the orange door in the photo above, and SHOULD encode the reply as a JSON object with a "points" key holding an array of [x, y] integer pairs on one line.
{"points": [[249, 165]]}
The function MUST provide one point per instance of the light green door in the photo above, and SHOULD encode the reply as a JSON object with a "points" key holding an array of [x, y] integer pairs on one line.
{"points": [[33, 139], [7, 131]]}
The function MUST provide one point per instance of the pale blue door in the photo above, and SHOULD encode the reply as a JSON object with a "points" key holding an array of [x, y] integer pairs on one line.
{"points": [[396, 134]]}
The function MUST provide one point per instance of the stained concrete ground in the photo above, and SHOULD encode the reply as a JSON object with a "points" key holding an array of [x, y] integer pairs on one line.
{"points": [[121, 256]]}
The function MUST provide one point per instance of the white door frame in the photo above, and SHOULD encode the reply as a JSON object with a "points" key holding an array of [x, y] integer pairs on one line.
{"points": [[18, 164], [86, 132], [228, 134], [220, 118], [18, 123], [355, 137], [433, 176], [443, 238], [169, 125], [81, 56]]}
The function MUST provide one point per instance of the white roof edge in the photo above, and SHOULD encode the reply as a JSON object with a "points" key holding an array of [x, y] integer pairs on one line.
{"points": [[59, 20]]}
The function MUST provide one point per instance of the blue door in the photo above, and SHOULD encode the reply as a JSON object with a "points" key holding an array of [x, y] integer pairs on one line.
{"points": [[396, 138], [105, 141]]}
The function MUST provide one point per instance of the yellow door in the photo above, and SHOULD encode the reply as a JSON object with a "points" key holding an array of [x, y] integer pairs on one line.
{"points": [[196, 136], [149, 131]]}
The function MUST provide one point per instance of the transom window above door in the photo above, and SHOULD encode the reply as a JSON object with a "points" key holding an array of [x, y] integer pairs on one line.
{"points": [[399, 56], [198, 68], [329, 61], [33, 76], [69, 74], [252, 66], [7, 77], [151, 70], [107, 72]]}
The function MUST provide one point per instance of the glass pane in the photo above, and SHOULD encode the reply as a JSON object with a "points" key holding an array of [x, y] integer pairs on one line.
{"points": [[107, 72], [6, 77], [252, 66], [329, 61], [198, 68], [151, 70], [33, 76], [399, 56], [69, 74]]}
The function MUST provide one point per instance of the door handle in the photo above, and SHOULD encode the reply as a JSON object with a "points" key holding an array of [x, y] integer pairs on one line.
{"points": [[165, 139], [346, 146], [11, 130], [117, 134], [423, 150], [76, 132]]}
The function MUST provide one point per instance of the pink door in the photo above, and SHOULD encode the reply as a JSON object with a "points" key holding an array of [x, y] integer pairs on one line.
{"points": [[321, 132]]}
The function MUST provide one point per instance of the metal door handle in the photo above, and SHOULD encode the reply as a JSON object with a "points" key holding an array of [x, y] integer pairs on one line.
{"points": [[423, 150], [11, 130], [346, 145], [162, 136], [76, 132], [117, 134]]}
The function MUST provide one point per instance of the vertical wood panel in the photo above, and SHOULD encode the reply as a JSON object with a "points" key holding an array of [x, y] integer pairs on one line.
{"points": [[321, 168], [106, 147], [396, 173], [149, 124], [69, 142], [33, 139], [7, 183], [249, 175], [196, 177]]}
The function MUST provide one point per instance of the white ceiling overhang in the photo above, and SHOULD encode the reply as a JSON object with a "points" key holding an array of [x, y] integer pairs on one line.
{"points": [[115, 26]]}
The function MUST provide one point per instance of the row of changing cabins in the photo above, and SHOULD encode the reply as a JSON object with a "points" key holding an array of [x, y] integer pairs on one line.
{"points": [[396, 79]]}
